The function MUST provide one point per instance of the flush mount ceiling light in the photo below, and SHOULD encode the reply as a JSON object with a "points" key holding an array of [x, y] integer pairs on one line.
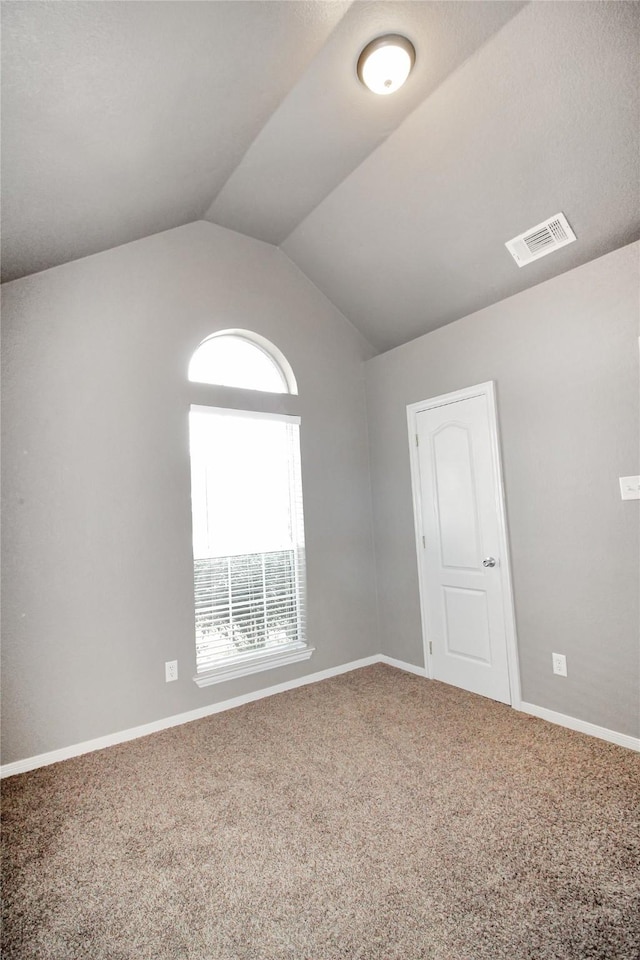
{"points": [[385, 63]]}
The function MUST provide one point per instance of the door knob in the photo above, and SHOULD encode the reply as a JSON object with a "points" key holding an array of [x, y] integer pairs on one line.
{"points": [[489, 562]]}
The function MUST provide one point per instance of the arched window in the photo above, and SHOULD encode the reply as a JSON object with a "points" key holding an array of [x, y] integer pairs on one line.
{"points": [[239, 358], [246, 500]]}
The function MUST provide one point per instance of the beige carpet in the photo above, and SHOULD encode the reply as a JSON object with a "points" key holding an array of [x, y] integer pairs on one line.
{"points": [[375, 816]]}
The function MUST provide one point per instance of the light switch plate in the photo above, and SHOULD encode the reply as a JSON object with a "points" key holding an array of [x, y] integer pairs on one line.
{"points": [[630, 488]]}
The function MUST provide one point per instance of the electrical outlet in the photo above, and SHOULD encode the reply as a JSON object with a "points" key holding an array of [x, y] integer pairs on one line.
{"points": [[171, 670], [559, 664]]}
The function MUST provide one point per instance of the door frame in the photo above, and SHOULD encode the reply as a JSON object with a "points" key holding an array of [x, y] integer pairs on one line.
{"points": [[488, 391]]}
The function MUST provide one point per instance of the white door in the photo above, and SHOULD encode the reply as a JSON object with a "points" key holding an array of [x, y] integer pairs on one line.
{"points": [[460, 533]]}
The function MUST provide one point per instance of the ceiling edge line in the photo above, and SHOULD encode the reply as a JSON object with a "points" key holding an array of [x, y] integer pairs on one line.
{"points": [[271, 114], [347, 320]]}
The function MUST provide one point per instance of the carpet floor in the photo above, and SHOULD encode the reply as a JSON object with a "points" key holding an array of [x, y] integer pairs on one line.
{"points": [[373, 816]]}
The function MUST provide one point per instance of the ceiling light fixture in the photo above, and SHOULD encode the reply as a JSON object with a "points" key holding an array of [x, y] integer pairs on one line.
{"points": [[385, 63]]}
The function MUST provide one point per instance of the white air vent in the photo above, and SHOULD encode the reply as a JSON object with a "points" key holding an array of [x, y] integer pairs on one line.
{"points": [[541, 240]]}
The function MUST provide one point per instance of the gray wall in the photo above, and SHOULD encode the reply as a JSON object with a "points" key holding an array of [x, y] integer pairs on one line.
{"points": [[97, 589], [97, 579], [564, 355]]}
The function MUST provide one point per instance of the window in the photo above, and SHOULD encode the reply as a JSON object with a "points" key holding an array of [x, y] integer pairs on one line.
{"points": [[241, 359], [248, 535]]}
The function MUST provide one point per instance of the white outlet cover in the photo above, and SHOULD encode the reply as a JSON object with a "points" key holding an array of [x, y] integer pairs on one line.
{"points": [[171, 670], [559, 662]]}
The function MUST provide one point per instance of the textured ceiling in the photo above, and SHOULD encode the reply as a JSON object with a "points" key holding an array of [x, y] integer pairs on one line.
{"points": [[121, 119], [544, 118], [328, 124]]}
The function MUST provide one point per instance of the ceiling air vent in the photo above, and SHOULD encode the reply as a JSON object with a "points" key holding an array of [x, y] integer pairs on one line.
{"points": [[541, 240]]}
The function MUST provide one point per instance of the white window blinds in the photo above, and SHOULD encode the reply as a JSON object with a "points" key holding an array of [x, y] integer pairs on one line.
{"points": [[248, 539]]}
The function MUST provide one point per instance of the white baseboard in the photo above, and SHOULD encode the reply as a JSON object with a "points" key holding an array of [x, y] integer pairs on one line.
{"points": [[401, 665], [582, 726], [100, 743]]}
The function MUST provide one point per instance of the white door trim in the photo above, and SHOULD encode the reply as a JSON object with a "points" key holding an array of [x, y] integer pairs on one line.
{"points": [[413, 409]]}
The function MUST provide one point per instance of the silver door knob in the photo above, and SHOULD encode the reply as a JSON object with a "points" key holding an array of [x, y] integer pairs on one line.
{"points": [[489, 562]]}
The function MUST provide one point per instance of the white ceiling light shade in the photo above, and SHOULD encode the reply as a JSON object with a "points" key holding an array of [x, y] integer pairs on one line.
{"points": [[385, 63]]}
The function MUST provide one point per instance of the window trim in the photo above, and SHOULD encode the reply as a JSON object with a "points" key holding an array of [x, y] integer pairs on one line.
{"points": [[210, 408], [256, 661]]}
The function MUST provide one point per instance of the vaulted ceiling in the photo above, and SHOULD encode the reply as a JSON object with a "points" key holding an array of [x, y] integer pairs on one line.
{"points": [[122, 119]]}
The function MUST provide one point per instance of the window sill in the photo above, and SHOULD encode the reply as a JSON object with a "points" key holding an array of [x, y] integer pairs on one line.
{"points": [[248, 663]]}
